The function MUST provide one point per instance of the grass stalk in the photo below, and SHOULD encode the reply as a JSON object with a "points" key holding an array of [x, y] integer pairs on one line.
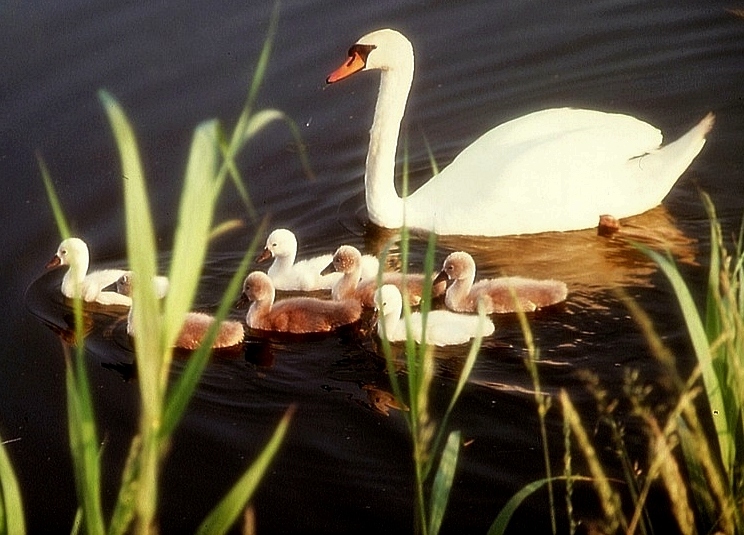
{"points": [[158, 322], [12, 521], [434, 449], [542, 400]]}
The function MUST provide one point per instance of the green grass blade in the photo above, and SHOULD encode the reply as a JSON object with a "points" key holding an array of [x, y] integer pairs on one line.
{"points": [[59, 215], [696, 474], [142, 258], [124, 512], [184, 387], [80, 414], [699, 340], [501, 523], [443, 482], [259, 73], [150, 351], [12, 521], [84, 446], [196, 212], [224, 515]]}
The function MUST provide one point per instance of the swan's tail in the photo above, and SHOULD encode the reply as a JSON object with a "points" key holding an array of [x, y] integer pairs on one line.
{"points": [[664, 166]]}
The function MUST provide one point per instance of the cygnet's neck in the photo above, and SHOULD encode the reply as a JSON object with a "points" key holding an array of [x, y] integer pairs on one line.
{"points": [[73, 279], [346, 286], [384, 206], [282, 263], [460, 288]]}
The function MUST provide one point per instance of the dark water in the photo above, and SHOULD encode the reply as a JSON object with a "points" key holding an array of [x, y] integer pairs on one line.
{"points": [[344, 466]]}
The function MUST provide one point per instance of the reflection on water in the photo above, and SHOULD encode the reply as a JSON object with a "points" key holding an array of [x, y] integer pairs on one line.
{"points": [[346, 465], [583, 259]]}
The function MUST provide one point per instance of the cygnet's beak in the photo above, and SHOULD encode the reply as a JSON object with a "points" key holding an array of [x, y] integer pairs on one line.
{"points": [[54, 262], [243, 301], [264, 256], [330, 268], [441, 277]]}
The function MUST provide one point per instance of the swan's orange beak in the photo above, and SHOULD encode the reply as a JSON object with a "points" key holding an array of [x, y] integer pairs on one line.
{"points": [[355, 63]]}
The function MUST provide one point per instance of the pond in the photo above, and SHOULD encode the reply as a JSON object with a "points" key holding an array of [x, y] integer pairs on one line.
{"points": [[345, 466]]}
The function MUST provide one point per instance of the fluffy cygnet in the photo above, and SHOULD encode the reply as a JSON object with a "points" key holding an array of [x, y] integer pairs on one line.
{"points": [[463, 295], [304, 275], [354, 285], [443, 327], [195, 324], [78, 283], [296, 314]]}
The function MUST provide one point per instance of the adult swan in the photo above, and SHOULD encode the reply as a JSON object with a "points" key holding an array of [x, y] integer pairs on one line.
{"points": [[551, 170]]}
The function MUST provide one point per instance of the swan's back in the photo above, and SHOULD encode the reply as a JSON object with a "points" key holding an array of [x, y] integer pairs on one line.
{"points": [[554, 170]]}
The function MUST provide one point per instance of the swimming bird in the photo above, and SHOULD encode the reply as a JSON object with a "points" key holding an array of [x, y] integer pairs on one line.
{"points": [[295, 314], [443, 327], [463, 295], [195, 324], [303, 275], [352, 285], [78, 283], [552, 170]]}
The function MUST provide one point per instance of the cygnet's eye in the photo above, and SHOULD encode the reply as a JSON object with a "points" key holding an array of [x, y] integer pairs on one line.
{"points": [[63, 252]]}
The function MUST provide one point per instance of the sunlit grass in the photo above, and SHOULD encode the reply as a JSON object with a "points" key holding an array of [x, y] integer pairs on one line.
{"points": [[12, 521], [435, 449], [702, 472], [163, 398]]}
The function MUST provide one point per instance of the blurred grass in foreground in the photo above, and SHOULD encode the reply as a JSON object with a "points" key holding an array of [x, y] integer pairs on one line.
{"points": [[163, 399]]}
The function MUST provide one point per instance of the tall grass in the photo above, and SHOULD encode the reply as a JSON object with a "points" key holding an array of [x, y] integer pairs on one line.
{"points": [[696, 444], [435, 449], [163, 399]]}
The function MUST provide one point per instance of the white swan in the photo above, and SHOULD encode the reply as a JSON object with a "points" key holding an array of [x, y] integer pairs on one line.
{"points": [[304, 275], [552, 170], [496, 294], [78, 283], [443, 328]]}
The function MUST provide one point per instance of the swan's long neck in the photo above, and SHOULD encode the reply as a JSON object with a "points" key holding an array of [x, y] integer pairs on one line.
{"points": [[384, 206]]}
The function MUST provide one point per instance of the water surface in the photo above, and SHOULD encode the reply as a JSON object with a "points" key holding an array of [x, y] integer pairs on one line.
{"points": [[345, 466]]}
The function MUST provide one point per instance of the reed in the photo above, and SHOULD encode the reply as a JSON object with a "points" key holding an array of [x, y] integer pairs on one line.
{"points": [[717, 338], [435, 449], [700, 471], [12, 521], [163, 399]]}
